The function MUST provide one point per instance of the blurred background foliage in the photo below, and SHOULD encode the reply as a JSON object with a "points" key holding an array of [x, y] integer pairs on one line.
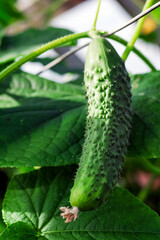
{"points": [[8, 12], [19, 15]]}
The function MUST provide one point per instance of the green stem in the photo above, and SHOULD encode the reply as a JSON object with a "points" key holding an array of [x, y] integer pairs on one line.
{"points": [[145, 191], [136, 32], [135, 50], [51, 45], [95, 20], [148, 166]]}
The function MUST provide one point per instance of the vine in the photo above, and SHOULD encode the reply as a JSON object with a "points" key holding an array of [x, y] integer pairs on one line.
{"points": [[136, 33], [51, 45]]}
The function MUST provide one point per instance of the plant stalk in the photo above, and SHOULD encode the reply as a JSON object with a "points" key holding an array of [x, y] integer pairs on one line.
{"points": [[97, 12], [148, 166], [135, 50], [137, 31], [145, 191], [51, 45]]}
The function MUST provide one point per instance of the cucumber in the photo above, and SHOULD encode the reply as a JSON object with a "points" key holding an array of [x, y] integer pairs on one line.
{"points": [[107, 128]]}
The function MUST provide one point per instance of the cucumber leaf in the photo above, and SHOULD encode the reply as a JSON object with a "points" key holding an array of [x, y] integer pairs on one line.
{"points": [[42, 122], [35, 198], [19, 231], [145, 135]]}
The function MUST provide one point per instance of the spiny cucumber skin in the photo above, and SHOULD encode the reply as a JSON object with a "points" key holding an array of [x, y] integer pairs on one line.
{"points": [[107, 126]]}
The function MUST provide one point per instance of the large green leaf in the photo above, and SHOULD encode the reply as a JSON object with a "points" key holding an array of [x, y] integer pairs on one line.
{"points": [[27, 41], [145, 136], [35, 198], [24, 89], [19, 231], [42, 122]]}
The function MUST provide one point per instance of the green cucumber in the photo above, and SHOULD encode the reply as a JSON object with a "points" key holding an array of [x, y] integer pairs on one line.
{"points": [[107, 127]]}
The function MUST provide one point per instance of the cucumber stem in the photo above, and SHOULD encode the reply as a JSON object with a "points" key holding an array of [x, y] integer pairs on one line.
{"points": [[51, 45], [137, 31], [97, 11]]}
